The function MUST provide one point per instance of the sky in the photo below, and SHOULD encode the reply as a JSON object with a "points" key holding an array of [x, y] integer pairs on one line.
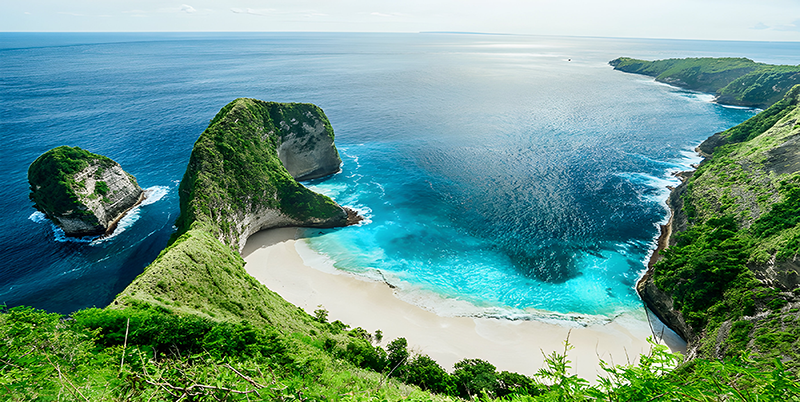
{"points": [[767, 20]]}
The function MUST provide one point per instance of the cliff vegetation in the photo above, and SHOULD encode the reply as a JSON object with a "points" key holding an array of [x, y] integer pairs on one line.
{"points": [[84, 193], [732, 270], [735, 81]]}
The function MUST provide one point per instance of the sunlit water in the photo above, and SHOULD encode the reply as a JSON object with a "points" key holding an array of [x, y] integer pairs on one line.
{"points": [[509, 176]]}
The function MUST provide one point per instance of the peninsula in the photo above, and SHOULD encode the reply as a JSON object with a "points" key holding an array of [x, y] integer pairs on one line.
{"points": [[734, 81], [83, 193]]}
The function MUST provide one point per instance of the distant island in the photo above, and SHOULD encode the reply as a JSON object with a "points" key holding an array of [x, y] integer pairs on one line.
{"points": [[734, 81]]}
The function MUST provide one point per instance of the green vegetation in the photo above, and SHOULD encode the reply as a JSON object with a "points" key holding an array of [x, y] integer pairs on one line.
{"points": [[234, 170], [51, 177], [731, 272], [196, 326], [144, 353], [735, 81]]}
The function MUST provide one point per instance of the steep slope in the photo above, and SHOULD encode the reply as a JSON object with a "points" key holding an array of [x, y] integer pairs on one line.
{"points": [[729, 280], [235, 185], [84, 193], [735, 81]]}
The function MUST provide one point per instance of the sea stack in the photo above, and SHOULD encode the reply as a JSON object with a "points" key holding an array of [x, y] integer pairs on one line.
{"points": [[83, 193]]}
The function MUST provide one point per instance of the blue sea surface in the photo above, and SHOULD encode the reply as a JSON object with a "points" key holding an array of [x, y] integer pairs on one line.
{"points": [[512, 176]]}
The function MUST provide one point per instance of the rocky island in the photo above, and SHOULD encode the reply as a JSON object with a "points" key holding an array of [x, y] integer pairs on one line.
{"points": [[83, 193]]}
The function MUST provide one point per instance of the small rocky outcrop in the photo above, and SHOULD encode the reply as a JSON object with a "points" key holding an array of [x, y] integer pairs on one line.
{"points": [[83, 193]]}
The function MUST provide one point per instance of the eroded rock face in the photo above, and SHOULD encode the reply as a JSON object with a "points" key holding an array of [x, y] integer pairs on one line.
{"points": [[307, 151], [243, 171], [83, 193]]}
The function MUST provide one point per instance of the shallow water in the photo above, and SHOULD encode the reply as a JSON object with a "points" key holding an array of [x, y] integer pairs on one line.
{"points": [[515, 175]]}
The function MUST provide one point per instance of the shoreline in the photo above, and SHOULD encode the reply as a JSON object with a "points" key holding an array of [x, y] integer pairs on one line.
{"points": [[280, 259]]}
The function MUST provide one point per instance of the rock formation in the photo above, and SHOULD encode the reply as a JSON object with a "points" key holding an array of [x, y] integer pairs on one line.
{"points": [[242, 171], [84, 193]]}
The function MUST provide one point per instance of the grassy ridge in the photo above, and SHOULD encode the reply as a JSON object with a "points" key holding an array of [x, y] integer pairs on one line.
{"points": [[148, 354], [735, 81], [733, 274], [234, 170]]}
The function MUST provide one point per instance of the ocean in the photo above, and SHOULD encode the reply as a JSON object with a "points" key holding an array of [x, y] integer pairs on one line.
{"points": [[507, 176]]}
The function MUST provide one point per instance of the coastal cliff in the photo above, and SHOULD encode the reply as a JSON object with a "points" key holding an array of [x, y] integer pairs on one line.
{"points": [[734, 81], [240, 179], [83, 193], [727, 279], [243, 171]]}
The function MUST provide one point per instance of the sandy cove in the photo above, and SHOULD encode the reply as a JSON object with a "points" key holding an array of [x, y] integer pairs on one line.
{"points": [[272, 257]]}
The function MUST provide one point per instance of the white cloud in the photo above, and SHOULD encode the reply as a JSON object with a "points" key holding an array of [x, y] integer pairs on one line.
{"points": [[27, 13], [794, 26], [187, 9], [760, 26], [252, 11]]}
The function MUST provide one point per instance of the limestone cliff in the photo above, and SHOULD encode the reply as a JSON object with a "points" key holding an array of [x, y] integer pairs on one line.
{"points": [[241, 179], [729, 280], [241, 173], [84, 193]]}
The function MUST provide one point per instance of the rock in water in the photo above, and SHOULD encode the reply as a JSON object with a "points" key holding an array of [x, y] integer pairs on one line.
{"points": [[84, 193]]}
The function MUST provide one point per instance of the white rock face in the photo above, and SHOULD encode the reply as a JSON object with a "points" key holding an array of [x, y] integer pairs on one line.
{"points": [[307, 151], [99, 209]]}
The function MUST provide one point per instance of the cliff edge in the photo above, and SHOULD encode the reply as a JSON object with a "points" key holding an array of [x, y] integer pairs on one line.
{"points": [[727, 277], [240, 179], [243, 171], [83, 193]]}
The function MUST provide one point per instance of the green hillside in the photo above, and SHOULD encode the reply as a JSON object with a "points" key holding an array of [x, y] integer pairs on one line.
{"points": [[735, 81], [196, 326], [732, 271]]}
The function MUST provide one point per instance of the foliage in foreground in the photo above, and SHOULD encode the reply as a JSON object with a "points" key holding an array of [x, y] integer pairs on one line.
{"points": [[148, 354]]}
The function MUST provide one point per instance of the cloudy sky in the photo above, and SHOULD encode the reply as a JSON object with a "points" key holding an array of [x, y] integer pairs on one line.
{"points": [[683, 19]]}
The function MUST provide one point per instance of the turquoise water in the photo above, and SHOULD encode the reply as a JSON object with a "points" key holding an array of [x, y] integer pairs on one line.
{"points": [[512, 176]]}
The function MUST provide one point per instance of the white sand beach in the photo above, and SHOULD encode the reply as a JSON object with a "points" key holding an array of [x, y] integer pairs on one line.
{"points": [[272, 257]]}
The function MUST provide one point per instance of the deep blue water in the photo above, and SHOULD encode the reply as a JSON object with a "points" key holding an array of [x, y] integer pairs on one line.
{"points": [[494, 171]]}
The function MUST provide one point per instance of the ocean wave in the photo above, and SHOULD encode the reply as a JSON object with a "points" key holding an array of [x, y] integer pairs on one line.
{"points": [[152, 195], [38, 217], [441, 305], [363, 211]]}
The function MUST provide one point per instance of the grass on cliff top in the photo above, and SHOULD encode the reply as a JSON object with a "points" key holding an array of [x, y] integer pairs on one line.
{"points": [[199, 275], [51, 177], [737, 81], [743, 204], [234, 169]]}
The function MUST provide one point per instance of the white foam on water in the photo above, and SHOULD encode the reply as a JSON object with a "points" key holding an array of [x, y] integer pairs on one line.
{"points": [[152, 195], [38, 217], [442, 305]]}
